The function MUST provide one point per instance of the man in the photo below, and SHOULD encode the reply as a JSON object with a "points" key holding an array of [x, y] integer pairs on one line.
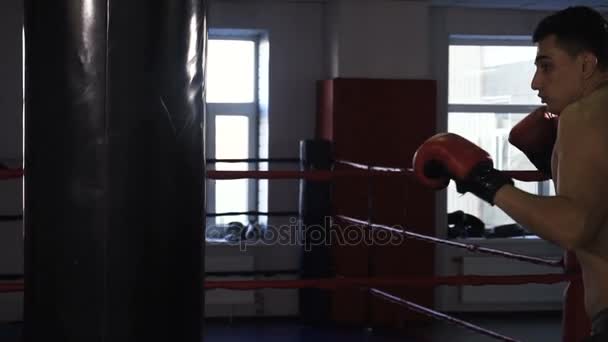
{"points": [[572, 80]]}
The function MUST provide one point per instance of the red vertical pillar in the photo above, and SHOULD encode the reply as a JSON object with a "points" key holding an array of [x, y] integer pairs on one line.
{"points": [[575, 322]]}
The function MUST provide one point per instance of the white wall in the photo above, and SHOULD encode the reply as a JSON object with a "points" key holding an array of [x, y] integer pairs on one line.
{"points": [[380, 39]]}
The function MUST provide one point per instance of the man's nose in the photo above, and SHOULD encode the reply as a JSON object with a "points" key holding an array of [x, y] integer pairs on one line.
{"points": [[536, 82]]}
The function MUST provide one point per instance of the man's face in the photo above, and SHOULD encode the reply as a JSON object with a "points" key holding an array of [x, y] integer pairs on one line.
{"points": [[558, 77]]}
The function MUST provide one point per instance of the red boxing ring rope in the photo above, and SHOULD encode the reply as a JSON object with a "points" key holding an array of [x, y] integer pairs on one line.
{"points": [[526, 176], [6, 173], [319, 175], [469, 247], [438, 315], [325, 175], [412, 282], [11, 287], [348, 282]]}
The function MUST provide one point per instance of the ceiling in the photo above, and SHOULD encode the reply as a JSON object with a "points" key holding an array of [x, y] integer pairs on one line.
{"points": [[600, 5]]}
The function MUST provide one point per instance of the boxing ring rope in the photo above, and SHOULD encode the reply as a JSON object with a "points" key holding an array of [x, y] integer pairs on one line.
{"points": [[524, 176], [469, 247], [10, 173], [319, 175], [359, 170], [7, 174], [11, 277], [410, 282], [16, 285], [11, 287], [11, 218], [438, 315], [328, 175]]}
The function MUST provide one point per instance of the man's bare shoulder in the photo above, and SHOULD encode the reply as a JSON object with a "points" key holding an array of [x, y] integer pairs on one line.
{"points": [[588, 107], [582, 166], [582, 143], [586, 121], [594, 107]]}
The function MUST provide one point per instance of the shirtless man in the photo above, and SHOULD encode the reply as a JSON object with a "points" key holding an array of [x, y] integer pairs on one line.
{"points": [[572, 80]]}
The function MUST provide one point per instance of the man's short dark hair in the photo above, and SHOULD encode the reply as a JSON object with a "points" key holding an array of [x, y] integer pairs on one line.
{"points": [[577, 29]]}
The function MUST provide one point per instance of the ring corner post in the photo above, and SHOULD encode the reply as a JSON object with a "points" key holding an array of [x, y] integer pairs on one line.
{"points": [[315, 233]]}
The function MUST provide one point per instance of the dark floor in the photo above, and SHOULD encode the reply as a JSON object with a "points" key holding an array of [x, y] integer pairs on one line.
{"points": [[284, 330], [266, 331], [542, 327], [525, 327]]}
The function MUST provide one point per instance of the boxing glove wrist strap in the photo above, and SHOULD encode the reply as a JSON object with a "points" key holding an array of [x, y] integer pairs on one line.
{"points": [[484, 182]]}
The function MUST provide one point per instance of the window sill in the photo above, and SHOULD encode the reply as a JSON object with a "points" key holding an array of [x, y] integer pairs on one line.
{"points": [[239, 244]]}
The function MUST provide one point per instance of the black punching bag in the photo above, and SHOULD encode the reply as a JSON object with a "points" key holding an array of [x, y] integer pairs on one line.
{"points": [[114, 160]]}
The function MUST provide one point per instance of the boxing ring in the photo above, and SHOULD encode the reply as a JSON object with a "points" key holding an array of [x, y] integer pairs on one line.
{"points": [[574, 327]]}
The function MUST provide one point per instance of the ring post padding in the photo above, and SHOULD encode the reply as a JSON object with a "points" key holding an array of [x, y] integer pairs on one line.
{"points": [[315, 212]]}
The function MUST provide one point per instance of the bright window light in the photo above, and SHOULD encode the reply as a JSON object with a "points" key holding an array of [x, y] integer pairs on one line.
{"points": [[488, 93], [230, 71], [232, 142], [491, 75], [490, 131]]}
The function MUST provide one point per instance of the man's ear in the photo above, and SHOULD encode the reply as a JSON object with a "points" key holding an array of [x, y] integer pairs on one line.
{"points": [[589, 64]]}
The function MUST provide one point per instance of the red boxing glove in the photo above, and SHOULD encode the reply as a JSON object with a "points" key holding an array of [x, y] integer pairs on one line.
{"points": [[448, 156], [535, 136]]}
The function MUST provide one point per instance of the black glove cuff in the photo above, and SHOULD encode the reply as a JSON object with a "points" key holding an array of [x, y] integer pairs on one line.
{"points": [[484, 182]]}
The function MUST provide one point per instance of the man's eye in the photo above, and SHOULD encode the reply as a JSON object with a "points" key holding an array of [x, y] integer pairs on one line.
{"points": [[544, 67]]}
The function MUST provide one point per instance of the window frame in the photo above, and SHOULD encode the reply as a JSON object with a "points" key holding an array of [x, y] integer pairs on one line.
{"points": [[543, 188], [251, 110]]}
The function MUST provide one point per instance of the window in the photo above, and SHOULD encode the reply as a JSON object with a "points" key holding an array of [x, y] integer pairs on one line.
{"points": [[488, 93], [234, 78]]}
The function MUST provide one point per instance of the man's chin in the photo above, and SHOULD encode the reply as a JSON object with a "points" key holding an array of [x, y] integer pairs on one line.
{"points": [[553, 109]]}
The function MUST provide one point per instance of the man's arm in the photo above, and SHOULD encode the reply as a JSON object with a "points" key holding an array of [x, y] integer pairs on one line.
{"points": [[556, 219], [571, 218]]}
